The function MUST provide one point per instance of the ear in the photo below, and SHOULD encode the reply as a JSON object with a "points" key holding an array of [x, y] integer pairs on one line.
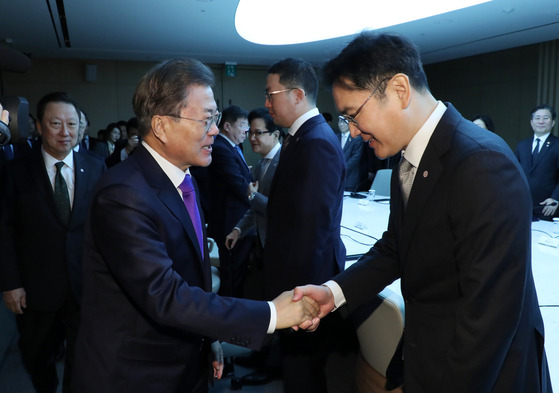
{"points": [[299, 95], [400, 84], [39, 127], [159, 127]]}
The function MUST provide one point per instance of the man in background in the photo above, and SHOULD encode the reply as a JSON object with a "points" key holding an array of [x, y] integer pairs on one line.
{"points": [[352, 148], [303, 241], [229, 180], [45, 197], [539, 157]]}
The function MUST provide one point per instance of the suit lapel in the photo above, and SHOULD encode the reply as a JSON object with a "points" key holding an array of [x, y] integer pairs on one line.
{"points": [[543, 150], [169, 195], [427, 176]]}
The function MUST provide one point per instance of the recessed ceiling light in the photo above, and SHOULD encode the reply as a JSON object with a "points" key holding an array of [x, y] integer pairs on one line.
{"points": [[271, 22]]}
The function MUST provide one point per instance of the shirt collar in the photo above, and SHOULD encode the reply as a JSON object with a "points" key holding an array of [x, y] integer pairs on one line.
{"points": [[50, 160], [227, 139], [415, 149], [174, 173], [303, 118], [542, 138], [272, 153]]}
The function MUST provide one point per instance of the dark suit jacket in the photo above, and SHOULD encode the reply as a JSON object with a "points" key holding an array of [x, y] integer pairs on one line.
{"points": [[40, 253], [303, 243], [257, 215], [462, 250], [146, 306], [352, 154], [543, 176], [229, 180]]}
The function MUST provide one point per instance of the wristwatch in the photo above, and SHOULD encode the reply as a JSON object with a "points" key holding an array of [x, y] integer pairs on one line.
{"points": [[251, 196]]}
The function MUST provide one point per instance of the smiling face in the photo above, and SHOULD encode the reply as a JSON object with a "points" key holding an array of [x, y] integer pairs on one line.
{"points": [[542, 122], [262, 144], [186, 142], [59, 129], [380, 123], [282, 106]]}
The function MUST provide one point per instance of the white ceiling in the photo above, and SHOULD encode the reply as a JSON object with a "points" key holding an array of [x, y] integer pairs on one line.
{"points": [[155, 30]]}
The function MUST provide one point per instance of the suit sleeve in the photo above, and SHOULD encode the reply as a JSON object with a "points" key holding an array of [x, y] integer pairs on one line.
{"points": [[488, 214], [225, 167], [134, 238]]}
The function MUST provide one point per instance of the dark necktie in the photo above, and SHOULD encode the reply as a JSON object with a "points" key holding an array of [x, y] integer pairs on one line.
{"points": [[189, 198], [406, 174], [536, 151], [9, 152], [61, 197], [286, 141]]}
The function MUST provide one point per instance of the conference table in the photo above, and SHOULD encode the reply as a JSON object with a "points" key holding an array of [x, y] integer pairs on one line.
{"points": [[364, 221]]}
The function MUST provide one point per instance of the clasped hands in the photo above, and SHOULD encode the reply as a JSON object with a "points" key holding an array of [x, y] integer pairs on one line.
{"points": [[303, 307]]}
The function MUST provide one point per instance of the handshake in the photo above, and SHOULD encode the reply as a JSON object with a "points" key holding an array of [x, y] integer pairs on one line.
{"points": [[303, 307]]}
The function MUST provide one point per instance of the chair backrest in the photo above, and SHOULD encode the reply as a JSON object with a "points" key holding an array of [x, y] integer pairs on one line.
{"points": [[380, 333], [381, 182]]}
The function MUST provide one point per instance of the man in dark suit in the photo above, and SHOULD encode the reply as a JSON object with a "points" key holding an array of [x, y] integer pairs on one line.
{"points": [[352, 148], [458, 234], [539, 157], [148, 313], [45, 197], [229, 180], [303, 241]]}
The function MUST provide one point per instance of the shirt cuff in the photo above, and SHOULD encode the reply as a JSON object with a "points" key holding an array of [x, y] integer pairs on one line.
{"points": [[339, 298], [273, 318], [238, 229]]}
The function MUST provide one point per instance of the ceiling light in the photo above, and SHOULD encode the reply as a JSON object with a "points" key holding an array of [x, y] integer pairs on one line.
{"points": [[272, 22]]}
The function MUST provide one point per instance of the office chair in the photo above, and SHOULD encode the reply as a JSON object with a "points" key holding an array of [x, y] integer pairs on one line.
{"points": [[378, 336], [214, 262], [381, 182]]}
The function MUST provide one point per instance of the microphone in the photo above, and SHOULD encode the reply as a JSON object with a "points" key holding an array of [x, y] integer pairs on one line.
{"points": [[355, 194]]}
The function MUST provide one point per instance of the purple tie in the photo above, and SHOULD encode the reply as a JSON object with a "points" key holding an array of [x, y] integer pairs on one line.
{"points": [[189, 198]]}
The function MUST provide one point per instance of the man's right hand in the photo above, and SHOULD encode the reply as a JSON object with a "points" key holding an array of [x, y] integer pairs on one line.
{"points": [[232, 239], [15, 300], [293, 313]]}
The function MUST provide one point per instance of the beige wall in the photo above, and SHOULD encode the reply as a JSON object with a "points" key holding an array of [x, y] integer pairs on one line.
{"points": [[502, 85], [109, 97]]}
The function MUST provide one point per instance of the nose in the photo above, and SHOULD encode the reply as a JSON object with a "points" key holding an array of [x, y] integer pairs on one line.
{"points": [[353, 130], [267, 103], [213, 130]]}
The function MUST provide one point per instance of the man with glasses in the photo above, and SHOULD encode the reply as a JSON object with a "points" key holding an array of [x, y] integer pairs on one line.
{"points": [[458, 234], [229, 180], [539, 157], [148, 317], [43, 206], [303, 241]]}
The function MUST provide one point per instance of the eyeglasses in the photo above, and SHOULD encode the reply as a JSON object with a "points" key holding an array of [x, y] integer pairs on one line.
{"points": [[257, 134], [351, 118], [271, 93], [208, 121], [544, 118]]}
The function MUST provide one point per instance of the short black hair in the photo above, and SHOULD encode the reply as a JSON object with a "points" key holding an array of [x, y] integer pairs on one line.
{"points": [[487, 120], [371, 58], [262, 113], [544, 106], [164, 89], [57, 96], [231, 114], [297, 73]]}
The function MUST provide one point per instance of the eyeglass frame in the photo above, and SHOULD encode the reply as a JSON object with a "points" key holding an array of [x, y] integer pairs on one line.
{"points": [[270, 94], [213, 119], [350, 119], [258, 134]]}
